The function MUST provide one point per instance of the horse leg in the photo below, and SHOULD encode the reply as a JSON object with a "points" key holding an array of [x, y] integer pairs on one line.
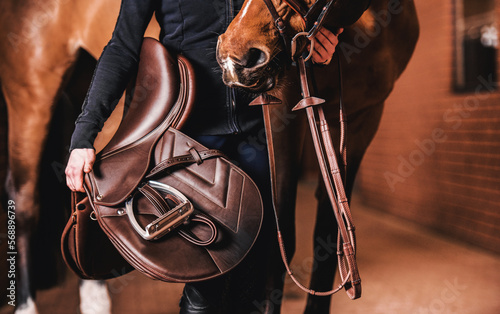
{"points": [[361, 129], [94, 297], [24, 155], [325, 254], [30, 100]]}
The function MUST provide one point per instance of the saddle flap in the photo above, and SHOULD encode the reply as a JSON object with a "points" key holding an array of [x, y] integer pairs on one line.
{"points": [[164, 94], [203, 248]]}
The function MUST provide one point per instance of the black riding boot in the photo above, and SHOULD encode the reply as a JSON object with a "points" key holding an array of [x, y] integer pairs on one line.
{"points": [[193, 302]]}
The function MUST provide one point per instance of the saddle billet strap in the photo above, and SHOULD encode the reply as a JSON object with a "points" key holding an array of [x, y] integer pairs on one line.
{"points": [[194, 157]]}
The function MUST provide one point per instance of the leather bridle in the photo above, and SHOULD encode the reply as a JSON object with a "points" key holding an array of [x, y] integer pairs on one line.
{"points": [[325, 152], [312, 18]]}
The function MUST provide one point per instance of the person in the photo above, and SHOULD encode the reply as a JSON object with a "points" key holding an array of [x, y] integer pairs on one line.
{"points": [[222, 120]]}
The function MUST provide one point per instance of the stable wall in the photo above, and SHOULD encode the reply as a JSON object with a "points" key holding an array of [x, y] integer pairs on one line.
{"points": [[436, 157]]}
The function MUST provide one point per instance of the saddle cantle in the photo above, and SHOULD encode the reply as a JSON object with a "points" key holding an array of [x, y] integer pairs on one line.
{"points": [[136, 180]]}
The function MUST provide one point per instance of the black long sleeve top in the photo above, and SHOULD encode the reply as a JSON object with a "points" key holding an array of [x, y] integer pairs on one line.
{"points": [[190, 27]]}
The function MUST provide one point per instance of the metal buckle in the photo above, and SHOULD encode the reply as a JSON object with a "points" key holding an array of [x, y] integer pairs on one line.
{"points": [[165, 223], [293, 48]]}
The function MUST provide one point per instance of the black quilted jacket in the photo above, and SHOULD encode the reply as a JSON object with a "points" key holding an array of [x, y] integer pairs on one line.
{"points": [[190, 27]]}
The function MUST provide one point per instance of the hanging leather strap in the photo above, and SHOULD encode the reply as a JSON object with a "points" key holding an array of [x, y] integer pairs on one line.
{"points": [[279, 23], [334, 185]]}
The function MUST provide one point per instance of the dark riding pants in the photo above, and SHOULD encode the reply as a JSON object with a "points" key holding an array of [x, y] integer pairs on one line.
{"points": [[240, 290]]}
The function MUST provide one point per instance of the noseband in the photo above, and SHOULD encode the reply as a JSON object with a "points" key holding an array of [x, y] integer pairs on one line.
{"points": [[312, 18]]}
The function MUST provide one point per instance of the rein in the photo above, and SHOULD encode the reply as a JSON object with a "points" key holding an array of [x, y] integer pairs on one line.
{"points": [[325, 152], [327, 160]]}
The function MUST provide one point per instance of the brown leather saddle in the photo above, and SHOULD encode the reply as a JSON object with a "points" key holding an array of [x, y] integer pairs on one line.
{"points": [[174, 209]]}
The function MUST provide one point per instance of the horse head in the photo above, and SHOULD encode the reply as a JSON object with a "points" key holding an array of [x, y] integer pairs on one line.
{"points": [[251, 50]]}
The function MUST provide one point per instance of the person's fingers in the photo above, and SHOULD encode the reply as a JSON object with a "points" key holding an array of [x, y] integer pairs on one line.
{"points": [[321, 53], [70, 184], [89, 162], [78, 181], [325, 43], [328, 39], [80, 161], [74, 177]]}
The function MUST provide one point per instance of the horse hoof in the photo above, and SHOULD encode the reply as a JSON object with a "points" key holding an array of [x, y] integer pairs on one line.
{"points": [[192, 302], [94, 297], [27, 308]]}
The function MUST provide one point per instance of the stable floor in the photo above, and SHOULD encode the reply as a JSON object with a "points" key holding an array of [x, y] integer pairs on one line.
{"points": [[404, 269]]}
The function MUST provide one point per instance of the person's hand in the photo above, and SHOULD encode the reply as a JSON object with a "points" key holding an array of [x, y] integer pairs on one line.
{"points": [[324, 46], [80, 161]]}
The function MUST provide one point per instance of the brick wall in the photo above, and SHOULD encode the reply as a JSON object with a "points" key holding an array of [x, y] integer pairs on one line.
{"points": [[436, 157]]}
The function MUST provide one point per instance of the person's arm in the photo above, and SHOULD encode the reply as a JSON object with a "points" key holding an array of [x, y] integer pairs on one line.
{"points": [[117, 63], [114, 69], [325, 45]]}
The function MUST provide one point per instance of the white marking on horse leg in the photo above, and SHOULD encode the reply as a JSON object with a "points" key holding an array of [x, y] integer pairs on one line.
{"points": [[94, 297], [28, 308]]}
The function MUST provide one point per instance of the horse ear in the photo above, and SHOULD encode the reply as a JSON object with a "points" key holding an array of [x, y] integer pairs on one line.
{"points": [[347, 12]]}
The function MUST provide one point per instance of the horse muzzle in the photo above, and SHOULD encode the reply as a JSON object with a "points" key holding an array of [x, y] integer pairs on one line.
{"points": [[246, 67]]}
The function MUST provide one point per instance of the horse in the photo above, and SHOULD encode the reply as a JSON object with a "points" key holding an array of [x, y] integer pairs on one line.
{"points": [[373, 52], [41, 44]]}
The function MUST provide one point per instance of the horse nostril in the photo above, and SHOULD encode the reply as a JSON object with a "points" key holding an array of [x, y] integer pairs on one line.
{"points": [[254, 58]]}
